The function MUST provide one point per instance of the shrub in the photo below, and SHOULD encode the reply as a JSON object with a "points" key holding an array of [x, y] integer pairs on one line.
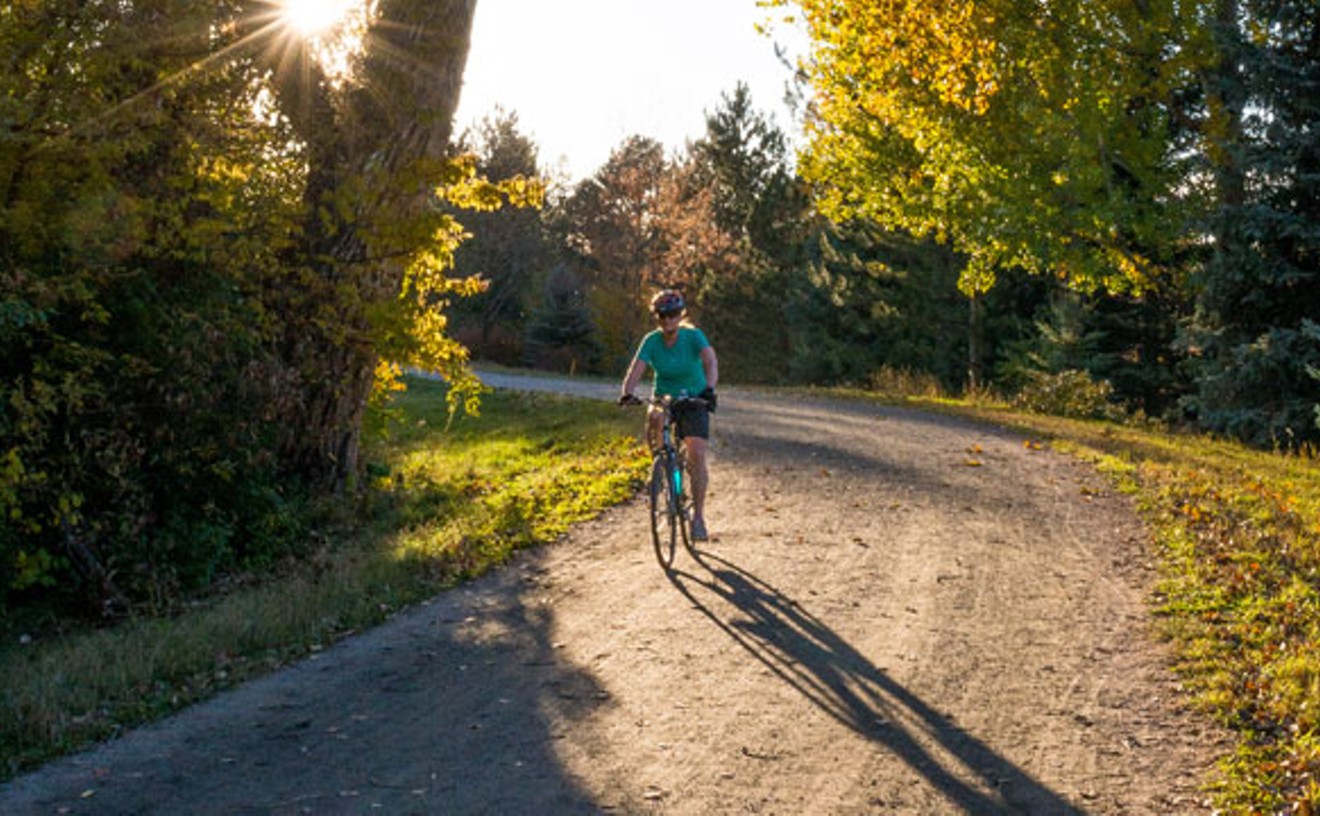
{"points": [[1071, 393], [905, 382]]}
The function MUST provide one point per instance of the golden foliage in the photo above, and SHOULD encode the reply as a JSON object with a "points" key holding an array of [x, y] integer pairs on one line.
{"points": [[1023, 135]]}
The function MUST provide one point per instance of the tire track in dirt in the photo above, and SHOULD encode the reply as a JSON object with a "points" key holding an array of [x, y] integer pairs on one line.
{"points": [[899, 613]]}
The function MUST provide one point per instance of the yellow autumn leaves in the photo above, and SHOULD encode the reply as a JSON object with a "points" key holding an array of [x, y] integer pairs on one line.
{"points": [[1023, 134]]}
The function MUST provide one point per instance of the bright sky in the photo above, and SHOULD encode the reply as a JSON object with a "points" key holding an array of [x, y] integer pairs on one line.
{"points": [[582, 75]]}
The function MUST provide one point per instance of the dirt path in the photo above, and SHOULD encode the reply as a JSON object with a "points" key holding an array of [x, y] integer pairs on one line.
{"points": [[899, 613]]}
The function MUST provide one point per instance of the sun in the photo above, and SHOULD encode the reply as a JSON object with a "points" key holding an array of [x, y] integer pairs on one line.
{"points": [[314, 18], [333, 33]]}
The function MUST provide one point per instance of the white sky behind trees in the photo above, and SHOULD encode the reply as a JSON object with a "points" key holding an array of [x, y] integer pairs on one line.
{"points": [[583, 75]]}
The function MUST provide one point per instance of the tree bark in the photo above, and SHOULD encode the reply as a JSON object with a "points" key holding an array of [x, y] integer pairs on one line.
{"points": [[975, 344], [398, 110]]}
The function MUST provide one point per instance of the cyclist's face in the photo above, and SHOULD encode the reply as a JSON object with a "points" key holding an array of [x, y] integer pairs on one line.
{"points": [[669, 322]]}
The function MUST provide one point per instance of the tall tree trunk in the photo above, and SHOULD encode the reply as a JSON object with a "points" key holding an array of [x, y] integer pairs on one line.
{"points": [[1227, 95], [975, 343], [361, 140]]}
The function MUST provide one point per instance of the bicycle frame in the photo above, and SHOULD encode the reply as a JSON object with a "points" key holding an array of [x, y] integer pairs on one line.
{"points": [[670, 503]]}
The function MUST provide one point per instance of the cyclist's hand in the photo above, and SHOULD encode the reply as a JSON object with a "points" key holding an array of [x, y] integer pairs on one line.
{"points": [[629, 399], [709, 396]]}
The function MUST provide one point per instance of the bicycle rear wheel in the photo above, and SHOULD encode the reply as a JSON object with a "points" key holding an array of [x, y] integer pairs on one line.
{"points": [[664, 510]]}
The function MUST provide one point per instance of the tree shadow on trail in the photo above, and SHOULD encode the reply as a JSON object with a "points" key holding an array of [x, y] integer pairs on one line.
{"points": [[812, 658]]}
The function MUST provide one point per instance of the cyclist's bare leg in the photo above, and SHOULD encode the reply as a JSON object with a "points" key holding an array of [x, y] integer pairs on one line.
{"points": [[695, 458], [655, 421]]}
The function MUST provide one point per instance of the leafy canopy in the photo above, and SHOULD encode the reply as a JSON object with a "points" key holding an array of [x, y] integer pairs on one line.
{"points": [[1023, 135]]}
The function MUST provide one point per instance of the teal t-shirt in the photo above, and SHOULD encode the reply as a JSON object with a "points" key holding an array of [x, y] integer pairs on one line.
{"points": [[678, 369]]}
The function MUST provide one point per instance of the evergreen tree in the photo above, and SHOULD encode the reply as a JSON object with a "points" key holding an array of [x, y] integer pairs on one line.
{"points": [[506, 250], [879, 300], [752, 273], [1138, 353], [1252, 340], [744, 158], [560, 334]]}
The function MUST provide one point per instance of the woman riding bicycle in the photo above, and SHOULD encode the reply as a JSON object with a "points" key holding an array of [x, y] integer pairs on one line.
{"points": [[684, 363]]}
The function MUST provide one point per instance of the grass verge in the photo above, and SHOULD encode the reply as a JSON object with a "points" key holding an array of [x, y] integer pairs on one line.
{"points": [[447, 502], [1238, 532]]}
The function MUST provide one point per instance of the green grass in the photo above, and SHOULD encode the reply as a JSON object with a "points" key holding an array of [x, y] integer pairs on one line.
{"points": [[447, 501], [1238, 535]]}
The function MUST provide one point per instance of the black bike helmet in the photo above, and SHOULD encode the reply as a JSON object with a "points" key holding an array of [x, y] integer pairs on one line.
{"points": [[667, 302]]}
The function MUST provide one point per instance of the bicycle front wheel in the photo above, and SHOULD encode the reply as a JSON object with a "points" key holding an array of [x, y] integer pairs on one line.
{"points": [[682, 504], [664, 510]]}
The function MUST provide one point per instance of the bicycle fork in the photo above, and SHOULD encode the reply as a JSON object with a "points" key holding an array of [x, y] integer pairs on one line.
{"points": [[675, 470], [674, 462]]}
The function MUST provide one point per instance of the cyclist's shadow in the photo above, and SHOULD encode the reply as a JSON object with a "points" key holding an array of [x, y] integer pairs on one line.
{"points": [[805, 653]]}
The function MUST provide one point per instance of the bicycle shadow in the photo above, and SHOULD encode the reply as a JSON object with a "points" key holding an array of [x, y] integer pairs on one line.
{"points": [[805, 653]]}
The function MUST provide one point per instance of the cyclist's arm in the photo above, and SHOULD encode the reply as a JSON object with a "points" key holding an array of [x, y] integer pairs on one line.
{"points": [[711, 365], [634, 376]]}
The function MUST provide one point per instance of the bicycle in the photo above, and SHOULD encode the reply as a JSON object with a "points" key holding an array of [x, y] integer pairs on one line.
{"points": [[671, 504]]}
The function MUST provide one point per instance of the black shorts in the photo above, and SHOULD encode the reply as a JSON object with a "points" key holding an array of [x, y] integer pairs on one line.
{"points": [[692, 421]]}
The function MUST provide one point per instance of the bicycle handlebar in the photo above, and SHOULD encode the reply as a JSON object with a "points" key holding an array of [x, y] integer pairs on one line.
{"points": [[661, 402]]}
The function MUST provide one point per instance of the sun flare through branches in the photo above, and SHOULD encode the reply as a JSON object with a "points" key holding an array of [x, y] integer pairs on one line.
{"points": [[331, 30], [313, 18]]}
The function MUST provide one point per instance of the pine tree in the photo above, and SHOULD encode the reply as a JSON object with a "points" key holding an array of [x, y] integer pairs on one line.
{"points": [[507, 250], [752, 271], [560, 333], [1252, 340]]}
